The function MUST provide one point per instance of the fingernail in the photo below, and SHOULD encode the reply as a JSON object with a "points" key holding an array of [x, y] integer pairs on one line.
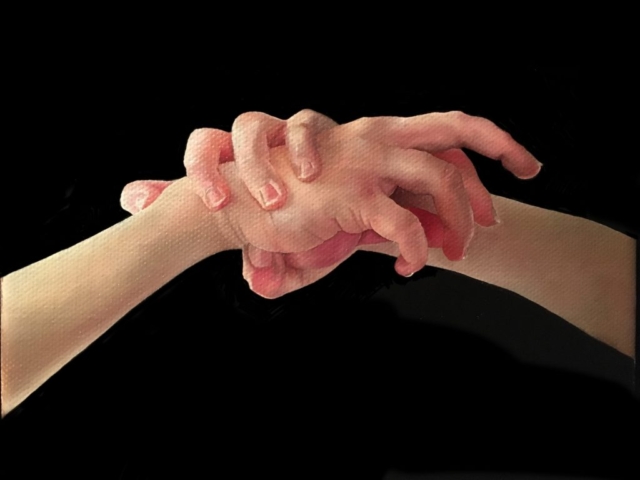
{"points": [[496, 217], [411, 273], [270, 194], [260, 258], [214, 197], [540, 165], [306, 169], [140, 201]]}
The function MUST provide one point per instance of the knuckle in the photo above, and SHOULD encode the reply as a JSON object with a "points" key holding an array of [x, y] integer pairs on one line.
{"points": [[458, 117], [506, 137], [189, 162], [196, 145], [304, 116], [451, 175], [199, 136], [412, 227], [362, 126], [248, 121], [368, 192], [489, 125], [459, 123], [192, 161]]}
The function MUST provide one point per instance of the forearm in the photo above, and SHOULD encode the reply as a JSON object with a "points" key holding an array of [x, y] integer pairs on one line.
{"points": [[55, 308], [578, 269]]}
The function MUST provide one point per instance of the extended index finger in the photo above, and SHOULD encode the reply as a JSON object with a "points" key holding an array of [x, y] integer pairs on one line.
{"points": [[435, 132]]}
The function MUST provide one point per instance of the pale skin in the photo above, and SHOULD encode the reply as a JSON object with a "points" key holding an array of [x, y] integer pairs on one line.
{"points": [[142, 253]]}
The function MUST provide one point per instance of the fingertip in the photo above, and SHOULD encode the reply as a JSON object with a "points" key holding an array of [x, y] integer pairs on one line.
{"points": [[268, 281], [271, 196], [534, 173], [487, 217], [453, 247], [129, 205], [404, 268], [215, 196], [140, 201], [134, 197], [308, 170]]}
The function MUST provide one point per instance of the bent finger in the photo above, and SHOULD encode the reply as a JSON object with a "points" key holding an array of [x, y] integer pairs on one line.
{"points": [[252, 134], [138, 195], [398, 225], [421, 173], [301, 132], [335, 250], [481, 203], [278, 278], [443, 131], [263, 271], [206, 149]]}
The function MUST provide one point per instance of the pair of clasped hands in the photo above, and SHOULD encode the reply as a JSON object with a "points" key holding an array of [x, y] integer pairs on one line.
{"points": [[299, 196]]}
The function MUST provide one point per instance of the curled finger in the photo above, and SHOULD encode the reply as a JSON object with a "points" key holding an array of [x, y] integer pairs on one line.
{"points": [[253, 133], [206, 149], [421, 173], [396, 224], [301, 131]]}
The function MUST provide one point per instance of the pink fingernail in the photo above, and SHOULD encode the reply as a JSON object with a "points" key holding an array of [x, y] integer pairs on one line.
{"points": [[306, 169], [214, 197], [270, 194], [141, 198], [496, 217]]}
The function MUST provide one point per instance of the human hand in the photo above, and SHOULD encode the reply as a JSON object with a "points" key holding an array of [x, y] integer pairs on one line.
{"points": [[427, 131], [248, 143], [272, 275], [441, 133], [351, 196], [253, 133]]}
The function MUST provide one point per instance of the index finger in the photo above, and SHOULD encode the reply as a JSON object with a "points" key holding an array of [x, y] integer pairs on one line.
{"points": [[435, 132], [252, 135]]}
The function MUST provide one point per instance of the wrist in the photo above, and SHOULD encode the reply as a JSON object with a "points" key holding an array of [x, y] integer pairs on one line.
{"points": [[182, 222]]}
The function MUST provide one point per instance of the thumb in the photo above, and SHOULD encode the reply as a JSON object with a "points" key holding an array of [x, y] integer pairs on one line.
{"points": [[263, 271], [138, 195]]}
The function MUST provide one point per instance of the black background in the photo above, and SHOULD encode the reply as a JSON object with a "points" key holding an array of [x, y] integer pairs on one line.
{"points": [[205, 375]]}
